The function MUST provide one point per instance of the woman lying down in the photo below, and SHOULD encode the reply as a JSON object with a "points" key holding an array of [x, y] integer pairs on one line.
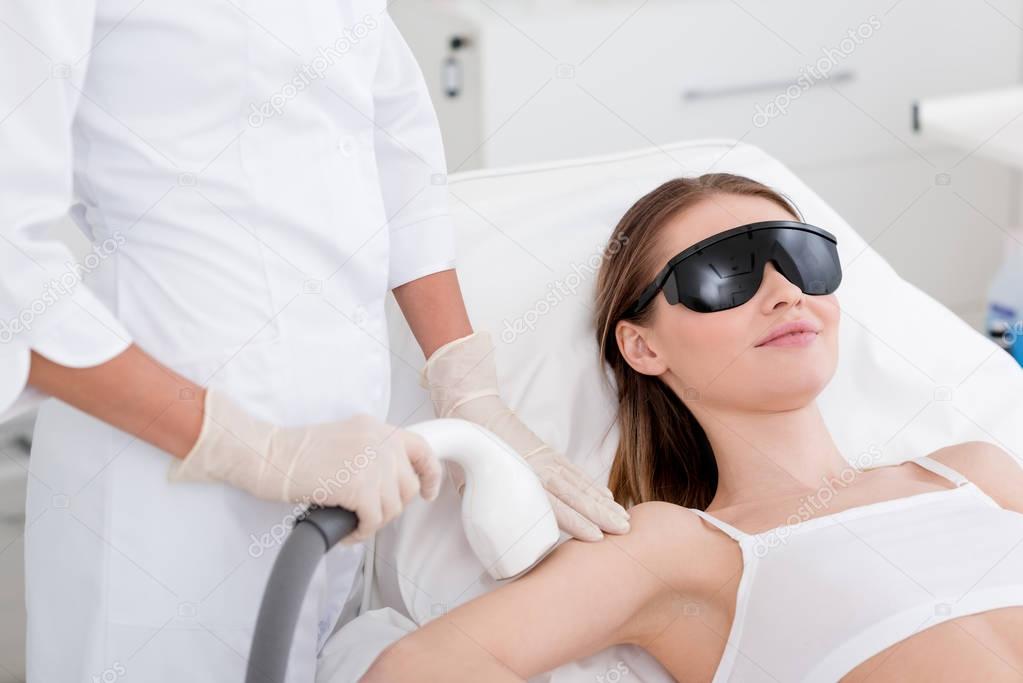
{"points": [[912, 572]]}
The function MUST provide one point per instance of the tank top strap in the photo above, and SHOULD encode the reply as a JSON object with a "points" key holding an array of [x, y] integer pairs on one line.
{"points": [[941, 469], [737, 535]]}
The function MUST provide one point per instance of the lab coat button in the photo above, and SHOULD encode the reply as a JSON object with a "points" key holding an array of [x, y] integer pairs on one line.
{"points": [[359, 315]]}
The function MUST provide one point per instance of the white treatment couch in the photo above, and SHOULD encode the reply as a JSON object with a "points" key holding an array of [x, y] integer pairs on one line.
{"points": [[912, 376]]}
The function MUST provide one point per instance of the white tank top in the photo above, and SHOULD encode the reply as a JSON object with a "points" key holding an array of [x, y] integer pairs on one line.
{"points": [[821, 596]]}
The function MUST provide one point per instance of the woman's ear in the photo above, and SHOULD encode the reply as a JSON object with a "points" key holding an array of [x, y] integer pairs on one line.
{"points": [[638, 354]]}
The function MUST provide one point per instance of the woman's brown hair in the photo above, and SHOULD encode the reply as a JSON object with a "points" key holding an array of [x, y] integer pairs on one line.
{"points": [[663, 453]]}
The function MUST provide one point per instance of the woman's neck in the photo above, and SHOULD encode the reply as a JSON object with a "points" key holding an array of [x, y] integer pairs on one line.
{"points": [[765, 455]]}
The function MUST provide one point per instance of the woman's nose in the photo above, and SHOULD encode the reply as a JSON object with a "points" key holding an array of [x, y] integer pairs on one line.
{"points": [[777, 286], [769, 267]]}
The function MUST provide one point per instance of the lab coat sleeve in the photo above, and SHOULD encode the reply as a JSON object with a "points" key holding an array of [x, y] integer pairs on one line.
{"points": [[43, 304], [410, 160]]}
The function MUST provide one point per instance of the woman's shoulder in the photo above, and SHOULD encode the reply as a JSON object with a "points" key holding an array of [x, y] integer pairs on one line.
{"points": [[991, 468], [692, 551], [975, 456], [659, 512], [669, 519]]}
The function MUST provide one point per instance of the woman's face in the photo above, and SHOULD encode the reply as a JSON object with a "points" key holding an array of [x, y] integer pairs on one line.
{"points": [[713, 358]]}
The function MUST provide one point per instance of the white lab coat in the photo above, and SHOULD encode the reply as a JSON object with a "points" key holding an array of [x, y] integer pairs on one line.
{"points": [[254, 177]]}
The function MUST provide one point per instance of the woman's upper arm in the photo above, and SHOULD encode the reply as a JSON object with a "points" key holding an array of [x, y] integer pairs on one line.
{"points": [[584, 597]]}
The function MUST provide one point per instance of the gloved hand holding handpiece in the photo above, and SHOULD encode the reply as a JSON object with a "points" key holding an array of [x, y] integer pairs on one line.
{"points": [[361, 464], [462, 378]]}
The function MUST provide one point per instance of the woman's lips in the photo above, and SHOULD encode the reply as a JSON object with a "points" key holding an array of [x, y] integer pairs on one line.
{"points": [[798, 339]]}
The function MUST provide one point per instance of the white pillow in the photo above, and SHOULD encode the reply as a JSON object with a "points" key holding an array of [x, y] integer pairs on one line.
{"points": [[912, 376]]}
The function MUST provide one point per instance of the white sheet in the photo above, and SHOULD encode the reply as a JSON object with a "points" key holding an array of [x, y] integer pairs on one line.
{"points": [[912, 376]]}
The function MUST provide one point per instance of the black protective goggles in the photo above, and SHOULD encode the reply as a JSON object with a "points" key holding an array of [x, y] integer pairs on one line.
{"points": [[725, 270]]}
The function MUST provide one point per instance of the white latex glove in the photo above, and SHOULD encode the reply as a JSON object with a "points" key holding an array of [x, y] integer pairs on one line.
{"points": [[462, 379], [361, 464]]}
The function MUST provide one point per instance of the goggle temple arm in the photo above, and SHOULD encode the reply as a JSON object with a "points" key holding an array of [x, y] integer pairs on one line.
{"points": [[670, 287], [647, 295]]}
